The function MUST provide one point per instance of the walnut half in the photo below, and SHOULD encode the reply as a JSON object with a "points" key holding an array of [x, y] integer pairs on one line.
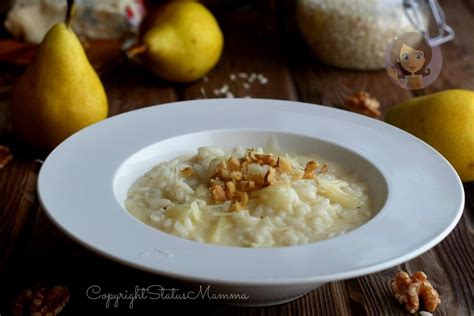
{"points": [[408, 290], [311, 166], [41, 301], [363, 103], [187, 172]]}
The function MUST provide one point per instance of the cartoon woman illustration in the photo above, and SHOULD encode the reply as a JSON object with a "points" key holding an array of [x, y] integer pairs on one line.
{"points": [[410, 61]]}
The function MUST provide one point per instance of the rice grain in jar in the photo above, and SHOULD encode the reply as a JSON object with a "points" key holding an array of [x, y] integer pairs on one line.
{"points": [[352, 33]]}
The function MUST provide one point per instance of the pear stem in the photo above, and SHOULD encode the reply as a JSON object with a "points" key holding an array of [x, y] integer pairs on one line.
{"points": [[69, 12], [135, 51]]}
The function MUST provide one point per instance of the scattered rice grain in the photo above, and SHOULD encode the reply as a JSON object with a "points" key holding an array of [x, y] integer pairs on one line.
{"points": [[252, 77], [224, 89], [203, 92]]}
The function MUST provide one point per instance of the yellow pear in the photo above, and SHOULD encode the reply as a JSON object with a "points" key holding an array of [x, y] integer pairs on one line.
{"points": [[445, 120], [181, 41], [59, 93]]}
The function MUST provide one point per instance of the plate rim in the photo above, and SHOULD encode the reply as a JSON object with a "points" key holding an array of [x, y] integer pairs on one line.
{"points": [[292, 280]]}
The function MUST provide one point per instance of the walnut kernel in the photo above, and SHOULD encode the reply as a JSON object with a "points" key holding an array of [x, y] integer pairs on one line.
{"points": [[361, 102], [408, 290], [187, 172], [41, 301]]}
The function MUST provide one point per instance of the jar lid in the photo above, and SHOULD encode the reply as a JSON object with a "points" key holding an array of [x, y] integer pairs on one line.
{"points": [[414, 10]]}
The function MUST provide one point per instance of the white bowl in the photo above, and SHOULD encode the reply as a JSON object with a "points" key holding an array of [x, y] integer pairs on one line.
{"points": [[83, 183]]}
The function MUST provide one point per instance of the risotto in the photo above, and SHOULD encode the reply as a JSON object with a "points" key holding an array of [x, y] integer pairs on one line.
{"points": [[249, 198]]}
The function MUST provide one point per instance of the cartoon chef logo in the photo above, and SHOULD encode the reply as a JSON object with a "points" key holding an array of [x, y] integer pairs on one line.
{"points": [[411, 62]]}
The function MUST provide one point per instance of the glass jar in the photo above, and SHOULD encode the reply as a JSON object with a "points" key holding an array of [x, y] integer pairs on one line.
{"points": [[356, 33]]}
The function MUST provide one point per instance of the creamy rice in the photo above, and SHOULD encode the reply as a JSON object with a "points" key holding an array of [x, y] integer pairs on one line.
{"points": [[293, 210]]}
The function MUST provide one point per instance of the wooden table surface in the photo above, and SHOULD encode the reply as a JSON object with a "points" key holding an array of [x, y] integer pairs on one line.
{"points": [[33, 252]]}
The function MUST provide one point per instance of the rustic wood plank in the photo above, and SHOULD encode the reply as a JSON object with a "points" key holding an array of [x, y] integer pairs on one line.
{"points": [[8, 77], [17, 200], [330, 299], [130, 86], [57, 259], [326, 85], [252, 46], [448, 266], [456, 257], [458, 68], [18, 187]]}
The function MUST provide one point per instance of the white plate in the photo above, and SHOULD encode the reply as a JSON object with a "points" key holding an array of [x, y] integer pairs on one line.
{"points": [[83, 182]]}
